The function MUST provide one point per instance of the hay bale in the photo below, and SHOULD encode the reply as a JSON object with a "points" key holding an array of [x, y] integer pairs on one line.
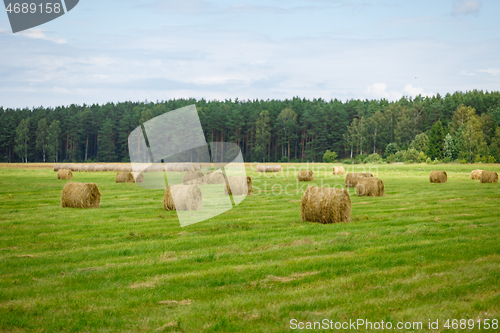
{"points": [[338, 170], [489, 177], [352, 179], [64, 174], [269, 168], [370, 187], [305, 176], [238, 186], [79, 195], [193, 177], [57, 167], [138, 177], [325, 205], [187, 197], [438, 177], [125, 177], [216, 177], [476, 174]]}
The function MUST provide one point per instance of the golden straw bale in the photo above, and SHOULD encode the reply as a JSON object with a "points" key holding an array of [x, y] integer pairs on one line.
{"points": [[325, 205], [370, 187], [138, 177], [269, 168], [438, 177], [352, 179], [193, 177], [215, 177], [338, 170], [79, 195], [124, 177], [476, 174], [182, 197], [238, 186], [489, 177], [64, 174], [305, 176]]}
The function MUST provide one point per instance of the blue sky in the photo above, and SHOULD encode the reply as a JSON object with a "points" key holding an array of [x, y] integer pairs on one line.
{"points": [[112, 51]]}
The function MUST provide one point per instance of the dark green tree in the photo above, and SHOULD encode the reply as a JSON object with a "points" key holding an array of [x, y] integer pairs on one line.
{"points": [[22, 138], [54, 140], [436, 141], [42, 137], [107, 148]]}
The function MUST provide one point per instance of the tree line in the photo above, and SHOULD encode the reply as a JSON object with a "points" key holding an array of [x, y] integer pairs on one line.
{"points": [[463, 125]]}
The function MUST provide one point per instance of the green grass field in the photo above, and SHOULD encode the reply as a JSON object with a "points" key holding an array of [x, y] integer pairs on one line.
{"points": [[424, 251]]}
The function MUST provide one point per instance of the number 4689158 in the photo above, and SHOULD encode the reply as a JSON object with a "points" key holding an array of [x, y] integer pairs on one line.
{"points": [[463, 324], [33, 8]]}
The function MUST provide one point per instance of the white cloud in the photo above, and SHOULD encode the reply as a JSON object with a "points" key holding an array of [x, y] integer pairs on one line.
{"points": [[379, 90], [492, 71], [412, 91], [466, 73], [466, 7], [39, 34]]}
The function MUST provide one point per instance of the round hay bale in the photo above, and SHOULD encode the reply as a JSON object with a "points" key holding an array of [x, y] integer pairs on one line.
{"points": [[138, 177], [238, 186], [489, 177], [124, 177], [216, 177], [193, 177], [169, 167], [476, 174], [438, 177], [370, 187], [187, 197], [305, 176], [338, 170], [64, 174], [269, 168], [325, 205], [79, 195], [181, 167], [57, 167], [63, 166], [352, 179]]}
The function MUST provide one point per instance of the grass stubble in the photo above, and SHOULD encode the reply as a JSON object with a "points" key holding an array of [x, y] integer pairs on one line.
{"points": [[423, 251]]}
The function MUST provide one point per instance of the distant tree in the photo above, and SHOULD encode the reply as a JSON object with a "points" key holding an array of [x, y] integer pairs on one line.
{"points": [[350, 139], [472, 138], [329, 157], [495, 145], [461, 116], [54, 140], [262, 136], [107, 148], [421, 142], [409, 124], [436, 141], [449, 147], [22, 138], [411, 156], [374, 158], [146, 115], [392, 148], [42, 137], [287, 124]]}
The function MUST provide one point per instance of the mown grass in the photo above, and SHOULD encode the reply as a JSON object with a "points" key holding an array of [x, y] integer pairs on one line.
{"points": [[424, 251]]}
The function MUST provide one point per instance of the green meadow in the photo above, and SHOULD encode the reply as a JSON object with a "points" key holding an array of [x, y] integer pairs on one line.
{"points": [[422, 252]]}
